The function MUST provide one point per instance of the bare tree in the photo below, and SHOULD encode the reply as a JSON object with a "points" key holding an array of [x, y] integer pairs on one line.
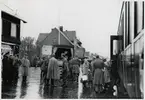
{"points": [[28, 46]]}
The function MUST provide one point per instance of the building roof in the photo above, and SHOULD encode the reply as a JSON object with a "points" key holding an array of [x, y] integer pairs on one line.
{"points": [[42, 36], [5, 8], [70, 34], [65, 36]]}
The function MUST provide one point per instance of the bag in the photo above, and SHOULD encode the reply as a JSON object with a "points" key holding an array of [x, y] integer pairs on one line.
{"points": [[84, 78]]}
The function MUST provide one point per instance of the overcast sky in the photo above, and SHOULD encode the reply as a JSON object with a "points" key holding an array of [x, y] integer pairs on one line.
{"points": [[93, 20]]}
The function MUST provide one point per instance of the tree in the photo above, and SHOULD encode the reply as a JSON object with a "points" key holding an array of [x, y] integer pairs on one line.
{"points": [[28, 46]]}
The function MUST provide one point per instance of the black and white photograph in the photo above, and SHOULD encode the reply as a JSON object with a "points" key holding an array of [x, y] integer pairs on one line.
{"points": [[72, 49]]}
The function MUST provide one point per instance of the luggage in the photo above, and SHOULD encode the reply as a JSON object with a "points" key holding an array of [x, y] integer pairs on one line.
{"points": [[84, 78]]}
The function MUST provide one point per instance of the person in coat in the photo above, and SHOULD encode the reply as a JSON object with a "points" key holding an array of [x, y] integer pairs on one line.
{"points": [[65, 71], [106, 75], [5, 68], [75, 68], [25, 67], [85, 68], [71, 69], [44, 69], [98, 76], [53, 70], [16, 65]]}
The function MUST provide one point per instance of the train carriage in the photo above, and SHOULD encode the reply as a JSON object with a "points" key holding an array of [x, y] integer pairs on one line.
{"points": [[127, 49]]}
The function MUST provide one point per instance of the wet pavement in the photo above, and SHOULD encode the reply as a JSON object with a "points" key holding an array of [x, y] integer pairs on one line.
{"points": [[89, 93], [33, 90]]}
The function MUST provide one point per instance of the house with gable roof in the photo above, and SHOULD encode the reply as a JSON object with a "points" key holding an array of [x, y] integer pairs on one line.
{"points": [[57, 42]]}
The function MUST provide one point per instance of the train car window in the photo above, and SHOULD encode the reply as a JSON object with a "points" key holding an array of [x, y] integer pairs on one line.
{"points": [[129, 34], [139, 16], [143, 15], [135, 19], [126, 25], [122, 30], [138, 7]]}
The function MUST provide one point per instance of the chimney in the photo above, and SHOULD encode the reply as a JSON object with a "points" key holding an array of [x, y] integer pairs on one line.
{"points": [[61, 28]]}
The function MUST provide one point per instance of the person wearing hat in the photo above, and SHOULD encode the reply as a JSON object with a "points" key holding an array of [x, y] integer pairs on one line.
{"points": [[25, 67]]}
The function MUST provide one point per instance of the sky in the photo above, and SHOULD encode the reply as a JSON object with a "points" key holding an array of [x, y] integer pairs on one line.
{"points": [[93, 20]]}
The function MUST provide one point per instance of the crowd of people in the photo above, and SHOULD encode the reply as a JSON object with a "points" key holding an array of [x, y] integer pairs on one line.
{"points": [[95, 70], [51, 70], [11, 64]]}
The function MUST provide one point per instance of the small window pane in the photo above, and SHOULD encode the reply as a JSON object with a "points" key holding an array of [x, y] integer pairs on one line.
{"points": [[13, 30]]}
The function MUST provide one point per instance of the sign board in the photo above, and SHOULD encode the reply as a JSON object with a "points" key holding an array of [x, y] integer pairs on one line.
{"points": [[80, 52], [46, 50]]}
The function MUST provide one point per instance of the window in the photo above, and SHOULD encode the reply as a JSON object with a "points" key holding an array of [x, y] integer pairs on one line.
{"points": [[135, 19], [126, 24], [13, 30], [129, 34], [143, 15], [139, 14], [10, 26]]}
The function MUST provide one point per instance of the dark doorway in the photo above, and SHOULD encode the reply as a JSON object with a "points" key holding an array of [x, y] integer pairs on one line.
{"points": [[62, 50]]}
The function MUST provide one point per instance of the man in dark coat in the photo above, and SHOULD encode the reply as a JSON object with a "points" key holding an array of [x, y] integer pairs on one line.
{"points": [[5, 69]]}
